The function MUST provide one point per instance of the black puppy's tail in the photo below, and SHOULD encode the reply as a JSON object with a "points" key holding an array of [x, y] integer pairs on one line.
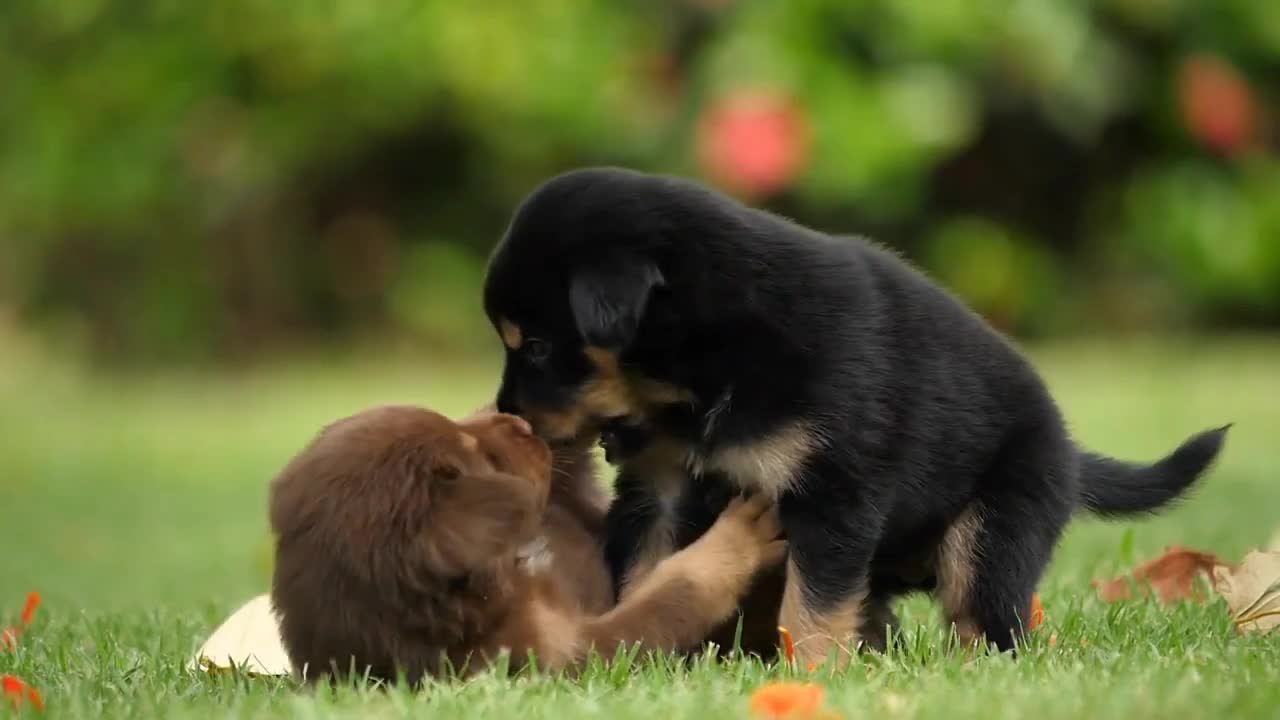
{"points": [[1111, 487]]}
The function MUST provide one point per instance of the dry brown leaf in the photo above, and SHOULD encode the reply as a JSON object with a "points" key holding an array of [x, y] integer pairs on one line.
{"points": [[1252, 591], [1172, 576]]}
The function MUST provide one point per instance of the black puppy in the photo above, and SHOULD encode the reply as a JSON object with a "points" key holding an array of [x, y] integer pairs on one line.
{"points": [[910, 445]]}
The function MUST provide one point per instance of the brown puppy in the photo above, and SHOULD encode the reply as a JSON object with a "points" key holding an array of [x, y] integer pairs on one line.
{"points": [[408, 543], [573, 529]]}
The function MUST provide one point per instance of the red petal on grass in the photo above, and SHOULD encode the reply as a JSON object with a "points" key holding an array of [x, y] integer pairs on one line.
{"points": [[788, 645], [1037, 612], [29, 612], [19, 692]]}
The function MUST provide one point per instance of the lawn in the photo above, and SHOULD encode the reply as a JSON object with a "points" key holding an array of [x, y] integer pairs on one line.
{"points": [[136, 507]]}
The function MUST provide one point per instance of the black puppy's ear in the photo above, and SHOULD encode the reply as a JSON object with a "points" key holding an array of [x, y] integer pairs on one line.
{"points": [[608, 300]]}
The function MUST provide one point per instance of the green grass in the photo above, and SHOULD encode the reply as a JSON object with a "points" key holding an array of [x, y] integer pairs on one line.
{"points": [[136, 506]]}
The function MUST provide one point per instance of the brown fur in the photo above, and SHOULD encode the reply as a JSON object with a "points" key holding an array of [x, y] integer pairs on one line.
{"points": [[402, 546]]}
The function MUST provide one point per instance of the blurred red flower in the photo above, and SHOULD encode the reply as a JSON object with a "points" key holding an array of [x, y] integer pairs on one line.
{"points": [[19, 692], [9, 636], [755, 142], [1217, 104]]}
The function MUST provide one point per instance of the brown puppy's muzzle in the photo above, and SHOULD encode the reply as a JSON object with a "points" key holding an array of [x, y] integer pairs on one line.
{"points": [[511, 445]]}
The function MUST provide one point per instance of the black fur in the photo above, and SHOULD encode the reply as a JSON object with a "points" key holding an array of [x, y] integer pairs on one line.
{"points": [[925, 409]]}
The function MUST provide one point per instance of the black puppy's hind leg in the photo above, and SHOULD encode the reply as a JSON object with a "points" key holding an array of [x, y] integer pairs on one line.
{"points": [[993, 554]]}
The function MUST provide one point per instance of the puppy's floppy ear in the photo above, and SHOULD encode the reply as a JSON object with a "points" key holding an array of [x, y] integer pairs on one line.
{"points": [[483, 516], [608, 299]]}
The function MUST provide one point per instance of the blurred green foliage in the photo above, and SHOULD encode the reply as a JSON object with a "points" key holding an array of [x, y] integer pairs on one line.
{"points": [[186, 180]]}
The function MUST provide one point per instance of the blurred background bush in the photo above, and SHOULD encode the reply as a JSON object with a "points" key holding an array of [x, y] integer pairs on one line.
{"points": [[186, 182]]}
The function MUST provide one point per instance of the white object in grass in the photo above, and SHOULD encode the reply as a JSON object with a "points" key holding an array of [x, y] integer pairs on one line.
{"points": [[248, 641]]}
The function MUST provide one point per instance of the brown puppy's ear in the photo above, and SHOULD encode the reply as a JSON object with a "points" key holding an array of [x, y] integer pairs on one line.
{"points": [[481, 518], [608, 300]]}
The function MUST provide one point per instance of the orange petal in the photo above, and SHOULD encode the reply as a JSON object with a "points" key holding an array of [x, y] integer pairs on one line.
{"points": [[788, 645], [787, 700], [1037, 612], [29, 612]]}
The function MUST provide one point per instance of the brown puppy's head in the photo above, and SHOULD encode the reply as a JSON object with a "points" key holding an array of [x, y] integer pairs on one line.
{"points": [[396, 537]]}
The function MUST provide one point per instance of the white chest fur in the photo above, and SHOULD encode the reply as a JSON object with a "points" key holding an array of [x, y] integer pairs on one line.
{"points": [[535, 556], [771, 465]]}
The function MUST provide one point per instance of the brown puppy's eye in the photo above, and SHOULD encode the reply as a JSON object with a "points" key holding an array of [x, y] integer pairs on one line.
{"points": [[537, 351], [446, 472]]}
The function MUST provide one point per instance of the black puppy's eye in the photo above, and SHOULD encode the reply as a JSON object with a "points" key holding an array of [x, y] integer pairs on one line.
{"points": [[537, 351]]}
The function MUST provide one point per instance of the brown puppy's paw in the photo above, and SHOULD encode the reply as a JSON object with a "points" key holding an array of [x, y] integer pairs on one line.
{"points": [[750, 527], [745, 538]]}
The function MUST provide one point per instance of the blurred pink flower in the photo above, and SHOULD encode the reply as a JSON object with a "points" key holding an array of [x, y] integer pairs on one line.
{"points": [[755, 142]]}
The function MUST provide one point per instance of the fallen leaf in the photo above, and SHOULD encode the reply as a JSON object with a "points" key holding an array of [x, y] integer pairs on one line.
{"points": [[19, 692], [1172, 577], [1252, 591], [792, 701]]}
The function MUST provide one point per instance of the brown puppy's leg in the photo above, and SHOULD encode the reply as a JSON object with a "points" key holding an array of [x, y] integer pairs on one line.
{"points": [[678, 604]]}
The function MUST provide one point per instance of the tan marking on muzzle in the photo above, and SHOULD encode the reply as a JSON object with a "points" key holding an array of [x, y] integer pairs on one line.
{"points": [[511, 334]]}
